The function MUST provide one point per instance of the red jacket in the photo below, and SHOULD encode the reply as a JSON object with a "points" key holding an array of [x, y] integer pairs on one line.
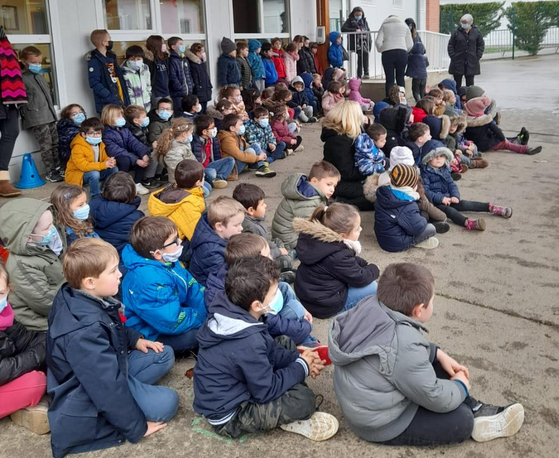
{"points": [[317, 65], [281, 132], [277, 57], [418, 114]]}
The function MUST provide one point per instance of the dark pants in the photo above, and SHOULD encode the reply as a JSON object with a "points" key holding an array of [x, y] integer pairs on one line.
{"points": [[429, 232], [453, 210], [418, 88], [125, 164], [362, 63], [458, 79], [9, 128], [394, 61]]}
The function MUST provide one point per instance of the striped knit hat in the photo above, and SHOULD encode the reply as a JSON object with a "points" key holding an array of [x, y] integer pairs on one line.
{"points": [[404, 175]]}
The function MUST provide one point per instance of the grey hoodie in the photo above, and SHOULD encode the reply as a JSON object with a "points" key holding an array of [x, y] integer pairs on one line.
{"points": [[383, 371]]}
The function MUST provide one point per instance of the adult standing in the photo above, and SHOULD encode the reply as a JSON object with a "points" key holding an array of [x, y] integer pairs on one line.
{"points": [[465, 48], [394, 41], [417, 63], [359, 43]]}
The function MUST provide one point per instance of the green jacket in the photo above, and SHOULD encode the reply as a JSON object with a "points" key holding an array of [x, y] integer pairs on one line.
{"points": [[35, 272], [300, 198]]}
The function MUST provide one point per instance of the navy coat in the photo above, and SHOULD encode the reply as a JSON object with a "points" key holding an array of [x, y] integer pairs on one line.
{"points": [[87, 360], [198, 149], [465, 51], [159, 71], [228, 72], [104, 90], [208, 251], [180, 79], [438, 183], [305, 62], [404, 140], [484, 132], [120, 143], [299, 98], [417, 60], [202, 87], [67, 129], [397, 220]]}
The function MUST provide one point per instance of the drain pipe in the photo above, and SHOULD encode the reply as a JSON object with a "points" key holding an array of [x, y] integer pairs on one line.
{"points": [[418, 21]]}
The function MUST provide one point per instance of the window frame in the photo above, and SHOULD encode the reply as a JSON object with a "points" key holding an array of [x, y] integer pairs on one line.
{"points": [[267, 35]]}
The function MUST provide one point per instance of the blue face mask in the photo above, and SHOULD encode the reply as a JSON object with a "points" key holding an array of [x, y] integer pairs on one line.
{"points": [[241, 130], [145, 122], [358, 18], [93, 140], [165, 115], [3, 304], [82, 213], [79, 118], [465, 26], [137, 64], [120, 122], [47, 238], [35, 68], [188, 139], [276, 305], [182, 49], [264, 122]]}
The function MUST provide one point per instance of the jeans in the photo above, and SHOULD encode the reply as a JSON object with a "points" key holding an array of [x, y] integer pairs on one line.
{"points": [[253, 149], [509, 146], [207, 187], [453, 210], [418, 88], [220, 169], [292, 126], [429, 232], [458, 79], [354, 295], [9, 128], [394, 61], [94, 177], [180, 342], [24, 391], [159, 403], [277, 153], [125, 164]]}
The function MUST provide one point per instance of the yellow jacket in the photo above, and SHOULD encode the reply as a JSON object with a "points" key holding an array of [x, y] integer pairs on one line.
{"points": [[182, 206], [82, 160]]}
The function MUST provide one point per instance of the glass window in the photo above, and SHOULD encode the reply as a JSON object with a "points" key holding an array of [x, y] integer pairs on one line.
{"points": [[127, 14], [48, 66], [246, 16], [182, 16], [275, 19], [24, 17]]}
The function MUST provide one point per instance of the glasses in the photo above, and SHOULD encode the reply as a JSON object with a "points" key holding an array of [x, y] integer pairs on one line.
{"points": [[94, 134], [177, 241]]}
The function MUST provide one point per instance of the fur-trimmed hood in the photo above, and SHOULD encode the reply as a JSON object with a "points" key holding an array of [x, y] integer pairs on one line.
{"points": [[438, 125], [484, 119], [462, 122], [437, 152], [211, 111], [192, 57], [316, 230]]}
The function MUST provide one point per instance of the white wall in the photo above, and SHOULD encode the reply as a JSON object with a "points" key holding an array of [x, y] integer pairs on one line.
{"points": [[303, 18], [377, 11]]}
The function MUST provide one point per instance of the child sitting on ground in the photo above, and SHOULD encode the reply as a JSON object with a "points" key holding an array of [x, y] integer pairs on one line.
{"points": [[22, 383], [162, 300], [233, 95], [281, 129], [89, 164], [449, 99], [300, 101], [71, 212], [190, 106], [258, 131], [160, 119], [355, 95], [32, 240], [464, 151], [415, 138], [301, 196], [333, 96], [98, 369], [398, 222], [221, 109], [442, 191], [252, 98], [182, 202], [424, 107], [318, 90], [332, 278], [223, 219], [396, 121], [308, 79], [396, 388], [251, 383], [369, 158], [71, 118]]}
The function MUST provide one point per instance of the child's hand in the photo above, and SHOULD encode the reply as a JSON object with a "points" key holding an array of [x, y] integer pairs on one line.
{"points": [[110, 163], [293, 141], [462, 377], [454, 200], [146, 158], [271, 147], [262, 157], [450, 365], [308, 316], [310, 357], [154, 144], [144, 345], [317, 368], [458, 153], [141, 163], [469, 152], [446, 201], [153, 427], [283, 252], [303, 106]]}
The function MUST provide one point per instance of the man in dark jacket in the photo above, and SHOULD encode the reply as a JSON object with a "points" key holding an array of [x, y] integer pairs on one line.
{"points": [[180, 79], [465, 49]]}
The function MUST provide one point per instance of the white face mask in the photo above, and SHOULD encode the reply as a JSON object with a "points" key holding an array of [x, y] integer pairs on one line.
{"points": [[213, 132], [172, 257]]}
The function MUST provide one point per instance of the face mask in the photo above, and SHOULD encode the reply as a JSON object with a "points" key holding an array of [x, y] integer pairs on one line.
{"points": [[137, 64], [3, 304], [264, 123], [145, 122], [82, 213], [276, 305], [188, 139], [163, 47], [238, 99], [56, 244], [182, 49], [120, 122], [35, 68], [198, 108], [241, 130], [78, 118], [358, 18], [110, 45], [172, 257], [465, 26], [410, 26], [47, 238], [203, 56], [213, 132], [164, 115], [93, 140]]}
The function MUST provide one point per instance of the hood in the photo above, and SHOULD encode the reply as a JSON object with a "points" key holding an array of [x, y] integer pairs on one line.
{"points": [[297, 79], [433, 149], [166, 201], [474, 91], [108, 212], [328, 133], [462, 122], [409, 21], [338, 74], [319, 243], [395, 118], [449, 84], [192, 57], [297, 187], [439, 126], [19, 217], [307, 79], [204, 233], [227, 321], [215, 283], [253, 45], [388, 200], [379, 106], [79, 140], [126, 67], [354, 84], [476, 107], [484, 119], [211, 111], [333, 36], [393, 19]]}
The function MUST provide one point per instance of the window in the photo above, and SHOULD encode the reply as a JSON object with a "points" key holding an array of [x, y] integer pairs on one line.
{"points": [[260, 17], [127, 14], [23, 17], [182, 16], [47, 63], [275, 20]]}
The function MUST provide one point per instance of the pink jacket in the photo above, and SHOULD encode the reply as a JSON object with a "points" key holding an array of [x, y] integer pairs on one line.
{"points": [[290, 66], [281, 132], [355, 95], [330, 100]]}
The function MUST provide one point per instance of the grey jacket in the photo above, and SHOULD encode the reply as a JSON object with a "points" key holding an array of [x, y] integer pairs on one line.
{"points": [[256, 226], [383, 371], [39, 108]]}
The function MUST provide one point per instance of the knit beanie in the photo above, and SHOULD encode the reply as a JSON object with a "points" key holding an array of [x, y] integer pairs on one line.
{"points": [[473, 92], [227, 46], [404, 175], [476, 107], [401, 155]]}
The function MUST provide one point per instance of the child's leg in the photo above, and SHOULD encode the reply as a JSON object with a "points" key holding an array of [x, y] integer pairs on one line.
{"points": [[260, 85], [42, 134], [255, 149], [150, 367], [207, 187], [506, 145], [158, 403], [292, 308], [53, 133], [303, 116], [453, 214], [105, 174], [150, 169], [429, 232], [308, 111], [181, 342], [292, 126], [471, 206], [221, 168], [415, 82], [24, 391], [354, 295], [278, 152], [92, 179]]}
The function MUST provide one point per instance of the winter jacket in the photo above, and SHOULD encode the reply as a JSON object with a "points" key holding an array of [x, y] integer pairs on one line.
{"points": [[198, 149], [438, 183], [305, 64], [113, 221], [157, 126], [228, 73], [208, 250], [21, 351], [417, 60], [87, 358], [290, 66], [82, 160], [178, 152], [335, 51], [39, 108], [120, 143], [160, 298], [202, 86], [140, 133], [255, 60], [246, 72], [256, 226], [328, 268], [418, 114], [299, 98], [238, 361], [465, 51], [484, 132], [138, 84], [281, 132], [368, 158], [102, 73], [439, 126], [318, 92], [394, 119], [393, 34], [300, 199], [404, 140], [233, 145], [270, 71], [451, 84], [355, 95], [382, 377], [397, 219], [180, 78], [67, 130], [159, 71], [308, 79], [255, 133], [182, 206], [361, 42], [329, 101], [36, 270], [277, 58]]}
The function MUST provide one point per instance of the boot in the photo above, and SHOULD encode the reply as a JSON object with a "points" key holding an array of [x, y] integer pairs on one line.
{"points": [[6, 189], [479, 163], [475, 224], [524, 136], [464, 168], [456, 176], [505, 212]]}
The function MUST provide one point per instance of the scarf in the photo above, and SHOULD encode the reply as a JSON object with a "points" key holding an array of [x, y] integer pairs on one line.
{"points": [[12, 88], [354, 245], [6, 318], [405, 191]]}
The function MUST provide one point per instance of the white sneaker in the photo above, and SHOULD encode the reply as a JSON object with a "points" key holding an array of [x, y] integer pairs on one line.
{"points": [[504, 424], [35, 418], [430, 244], [141, 190], [320, 427], [299, 149]]}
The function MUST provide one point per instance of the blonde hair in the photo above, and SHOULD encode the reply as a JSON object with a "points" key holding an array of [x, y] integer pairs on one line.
{"points": [[29, 51], [97, 36], [337, 217], [346, 118], [88, 257], [109, 113], [439, 110], [222, 209], [179, 126], [448, 95]]}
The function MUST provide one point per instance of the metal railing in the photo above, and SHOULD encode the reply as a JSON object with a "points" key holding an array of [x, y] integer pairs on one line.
{"points": [[499, 43]]}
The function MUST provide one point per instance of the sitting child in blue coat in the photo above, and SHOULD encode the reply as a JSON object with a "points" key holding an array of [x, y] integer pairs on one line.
{"points": [[162, 299], [398, 222], [245, 382], [101, 373]]}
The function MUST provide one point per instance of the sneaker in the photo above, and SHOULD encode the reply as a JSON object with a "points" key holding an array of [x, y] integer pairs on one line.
{"points": [[366, 76], [288, 276], [524, 136], [320, 427], [498, 118], [35, 418], [532, 151], [54, 177], [456, 176], [141, 190], [492, 422], [430, 244], [163, 178], [289, 151], [265, 171], [505, 212], [219, 184], [442, 227], [151, 182], [312, 119], [61, 172], [475, 224], [322, 351], [299, 149]]}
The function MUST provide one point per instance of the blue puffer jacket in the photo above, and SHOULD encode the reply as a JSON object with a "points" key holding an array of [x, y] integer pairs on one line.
{"points": [[255, 60], [335, 51], [397, 220], [180, 79], [208, 250], [307, 79], [299, 98], [104, 89], [198, 149], [67, 130], [438, 183], [120, 143], [417, 60], [239, 361], [160, 298], [451, 84], [228, 72], [296, 330], [270, 71]]}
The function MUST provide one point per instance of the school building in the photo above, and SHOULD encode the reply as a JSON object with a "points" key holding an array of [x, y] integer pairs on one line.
{"points": [[61, 28]]}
